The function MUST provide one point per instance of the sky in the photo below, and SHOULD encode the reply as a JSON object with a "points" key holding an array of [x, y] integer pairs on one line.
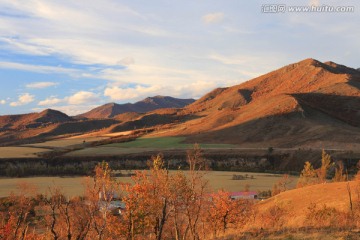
{"points": [[75, 55]]}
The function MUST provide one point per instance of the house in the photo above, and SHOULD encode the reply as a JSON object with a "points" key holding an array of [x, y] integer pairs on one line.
{"points": [[243, 195], [115, 207]]}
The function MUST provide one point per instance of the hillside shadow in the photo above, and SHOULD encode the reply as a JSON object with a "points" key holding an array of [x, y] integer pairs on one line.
{"points": [[153, 120], [246, 93], [344, 108], [355, 81]]}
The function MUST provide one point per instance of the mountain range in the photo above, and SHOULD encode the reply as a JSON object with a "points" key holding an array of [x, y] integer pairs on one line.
{"points": [[309, 103], [149, 104]]}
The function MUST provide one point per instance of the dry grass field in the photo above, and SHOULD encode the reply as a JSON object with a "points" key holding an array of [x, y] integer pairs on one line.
{"points": [[20, 152], [260, 182], [166, 143], [74, 185], [116, 134], [298, 201], [105, 151], [144, 144], [66, 142]]}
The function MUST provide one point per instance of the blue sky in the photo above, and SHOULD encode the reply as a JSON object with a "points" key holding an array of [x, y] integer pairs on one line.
{"points": [[75, 55]]}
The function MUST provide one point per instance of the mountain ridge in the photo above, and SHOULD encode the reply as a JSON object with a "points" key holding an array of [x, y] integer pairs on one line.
{"points": [[148, 104]]}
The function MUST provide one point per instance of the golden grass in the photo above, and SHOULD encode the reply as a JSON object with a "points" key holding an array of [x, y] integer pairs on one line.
{"points": [[297, 201], [72, 186], [66, 142], [116, 134], [20, 152]]}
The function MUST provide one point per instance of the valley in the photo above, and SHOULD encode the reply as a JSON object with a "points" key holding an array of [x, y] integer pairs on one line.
{"points": [[256, 137]]}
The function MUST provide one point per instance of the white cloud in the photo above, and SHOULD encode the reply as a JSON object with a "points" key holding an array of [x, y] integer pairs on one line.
{"points": [[23, 99], [81, 36], [213, 17], [240, 64], [196, 89], [40, 85], [83, 97], [126, 61], [39, 68], [50, 101], [117, 93], [78, 98], [2, 102]]}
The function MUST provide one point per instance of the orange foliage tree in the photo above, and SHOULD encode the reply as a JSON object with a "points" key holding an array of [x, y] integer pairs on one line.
{"points": [[15, 220]]}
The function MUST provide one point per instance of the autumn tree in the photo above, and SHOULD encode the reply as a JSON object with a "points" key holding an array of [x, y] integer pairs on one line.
{"points": [[159, 201], [195, 190], [325, 165], [282, 185], [15, 222], [223, 212], [84, 217], [307, 176], [179, 190], [339, 172], [148, 201], [99, 195]]}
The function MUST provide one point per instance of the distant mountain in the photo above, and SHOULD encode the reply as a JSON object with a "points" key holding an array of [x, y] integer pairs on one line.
{"points": [[33, 120], [148, 104], [35, 127]]}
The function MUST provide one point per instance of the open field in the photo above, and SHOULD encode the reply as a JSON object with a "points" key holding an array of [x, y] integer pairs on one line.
{"points": [[106, 151], [66, 142], [260, 182], [74, 185], [144, 145], [116, 134], [20, 152], [165, 143]]}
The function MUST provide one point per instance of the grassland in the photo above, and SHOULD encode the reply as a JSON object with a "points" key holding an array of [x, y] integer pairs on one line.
{"points": [[297, 201], [66, 142], [73, 186], [145, 144], [165, 143], [20, 152]]}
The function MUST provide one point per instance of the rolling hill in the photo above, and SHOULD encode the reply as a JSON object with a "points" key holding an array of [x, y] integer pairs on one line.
{"points": [[297, 202], [148, 104], [301, 104], [33, 120]]}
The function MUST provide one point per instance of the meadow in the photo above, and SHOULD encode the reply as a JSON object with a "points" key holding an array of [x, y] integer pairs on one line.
{"points": [[73, 186], [66, 142], [20, 152], [32, 150], [144, 144]]}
